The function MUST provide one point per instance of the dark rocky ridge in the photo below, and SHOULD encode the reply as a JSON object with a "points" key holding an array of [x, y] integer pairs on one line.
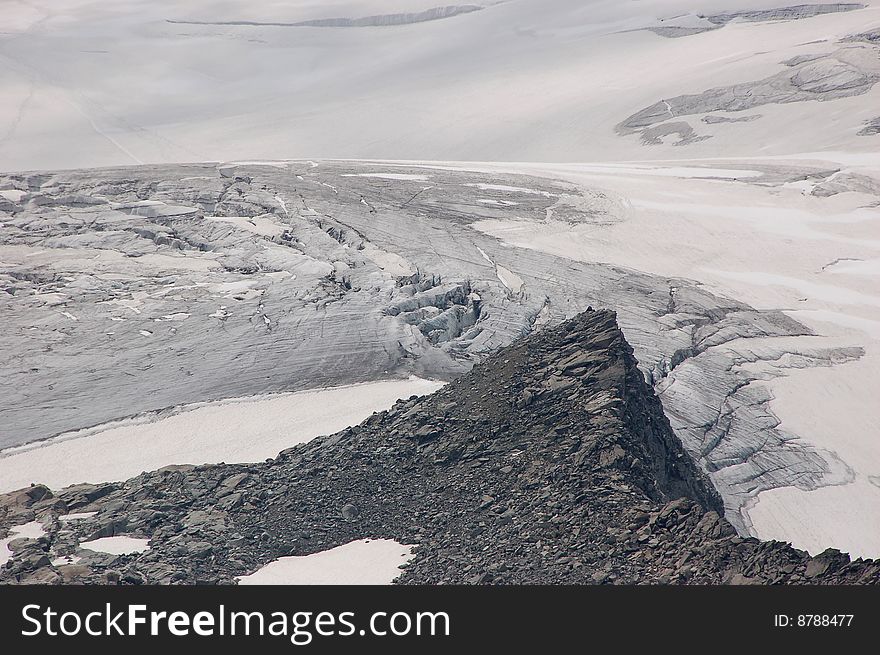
{"points": [[550, 462]]}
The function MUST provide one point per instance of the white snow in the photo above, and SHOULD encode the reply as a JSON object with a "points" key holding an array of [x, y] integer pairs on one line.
{"points": [[532, 80], [701, 172], [834, 409], [485, 256], [848, 518], [119, 545], [509, 279], [274, 163], [364, 562], [13, 194], [232, 430], [32, 530], [177, 316], [66, 560], [390, 262], [391, 176], [508, 189]]}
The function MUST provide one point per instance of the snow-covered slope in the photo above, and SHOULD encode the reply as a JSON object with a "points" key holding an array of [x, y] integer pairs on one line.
{"points": [[89, 83]]}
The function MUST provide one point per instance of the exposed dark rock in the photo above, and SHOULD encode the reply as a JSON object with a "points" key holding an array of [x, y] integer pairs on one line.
{"points": [[350, 512]]}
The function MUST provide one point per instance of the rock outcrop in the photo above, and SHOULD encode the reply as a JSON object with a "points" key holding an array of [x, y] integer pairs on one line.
{"points": [[549, 462]]}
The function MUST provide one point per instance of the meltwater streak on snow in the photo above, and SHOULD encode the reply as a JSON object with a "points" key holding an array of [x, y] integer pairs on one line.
{"points": [[233, 431], [855, 267], [364, 562]]}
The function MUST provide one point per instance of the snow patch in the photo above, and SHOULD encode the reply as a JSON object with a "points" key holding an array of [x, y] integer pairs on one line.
{"points": [[119, 545], [363, 562], [236, 430]]}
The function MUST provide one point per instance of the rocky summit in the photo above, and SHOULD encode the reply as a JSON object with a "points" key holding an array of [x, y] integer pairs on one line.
{"points": [[551, 461]]}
